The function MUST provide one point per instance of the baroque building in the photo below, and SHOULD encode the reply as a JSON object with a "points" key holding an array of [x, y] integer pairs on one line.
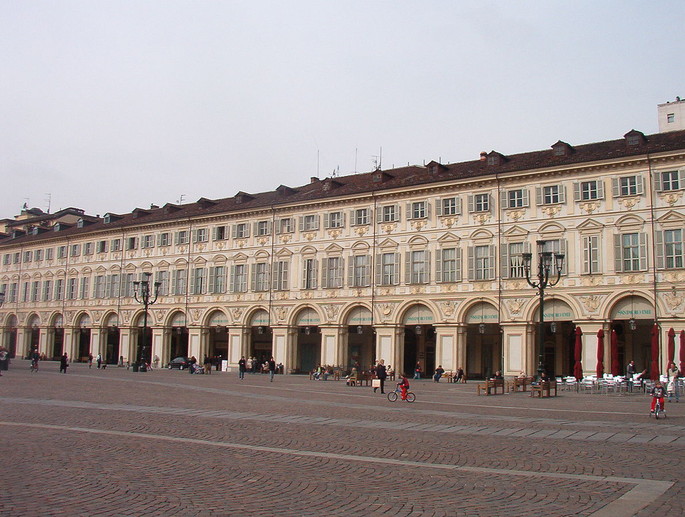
{"points": [[413, 264]]}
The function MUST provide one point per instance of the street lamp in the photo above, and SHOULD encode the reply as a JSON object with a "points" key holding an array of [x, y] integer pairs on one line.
{"points": [[2, 298], [142, 294], [545, 261]]}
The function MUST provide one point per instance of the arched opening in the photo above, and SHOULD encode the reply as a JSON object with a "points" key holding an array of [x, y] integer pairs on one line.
{"points": [[261, 337], [308, 349], [57, 349], [12, 336], [217, 341], [632, 319], [361, 340], [112, 340], [483, 341], [419, 341], [83, 338], [178, 346], [34, 336], [559, 338]]}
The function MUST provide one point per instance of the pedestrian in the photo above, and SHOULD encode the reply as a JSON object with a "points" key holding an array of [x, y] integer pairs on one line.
{"points": [[4, 360], [672, 388], [63, 363], [417, 371], [272, 369], [208, 365], [382, 374], [90, 360], [460, 375], [35, 357], [242, 367], [98, 360]]}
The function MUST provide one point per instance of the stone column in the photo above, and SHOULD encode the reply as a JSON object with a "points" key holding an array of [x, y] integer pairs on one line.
{"points": [[331, 339], [446, 353]]}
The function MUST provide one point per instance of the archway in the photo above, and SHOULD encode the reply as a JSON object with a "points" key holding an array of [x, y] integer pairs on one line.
{"points": [[12, 324], [57, 348], [112, 339], [34, 334], [419, 340], [483, 341], [559, 337], [308, 348], [178, 340], [632, 318], [361, 339], [83, 333], [217, 338], [261, 337]]}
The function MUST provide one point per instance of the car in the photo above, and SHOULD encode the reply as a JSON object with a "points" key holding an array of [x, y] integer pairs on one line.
{"points": [[180, 363]]}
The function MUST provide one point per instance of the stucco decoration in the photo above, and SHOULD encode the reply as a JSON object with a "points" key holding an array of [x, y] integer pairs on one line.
{"points": [[237, 313], [591, 303], [196, 314], [515, 305], [331, 311], [448, 308], [385, 310], [673, 300], [281, 313], [159, 315], [97, 316]]}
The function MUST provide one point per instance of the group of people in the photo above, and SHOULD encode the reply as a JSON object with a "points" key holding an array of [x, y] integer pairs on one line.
{"points": [[253, 366], [101, 364], [457, 376]]}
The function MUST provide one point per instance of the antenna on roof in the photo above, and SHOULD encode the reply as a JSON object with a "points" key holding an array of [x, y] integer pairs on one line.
{"points": [[180, 199], [355, 159], [317, 163], [48, 200]]}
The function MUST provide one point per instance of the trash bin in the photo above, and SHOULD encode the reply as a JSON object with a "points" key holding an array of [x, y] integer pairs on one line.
{"points": [[134, 367]]}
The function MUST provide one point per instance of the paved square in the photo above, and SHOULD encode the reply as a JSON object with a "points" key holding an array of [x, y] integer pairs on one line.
{"points": [[114, 442]]}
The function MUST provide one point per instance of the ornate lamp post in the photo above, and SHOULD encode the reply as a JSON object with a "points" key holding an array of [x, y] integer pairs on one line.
{"points": [[2, 298], [142, 294], [546, 259]]}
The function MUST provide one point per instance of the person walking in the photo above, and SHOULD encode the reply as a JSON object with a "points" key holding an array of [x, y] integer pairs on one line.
{"points": [[63, 363], [382, 374], [272, 369], [242, 366], [417, 371], [4, 360], [98, 360], [90, 360], [672, 387]]}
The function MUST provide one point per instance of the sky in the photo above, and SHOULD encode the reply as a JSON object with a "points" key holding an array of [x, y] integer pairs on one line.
{"points": [[112, 105]]}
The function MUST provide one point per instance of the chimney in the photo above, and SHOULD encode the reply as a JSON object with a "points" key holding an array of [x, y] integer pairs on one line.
{"points": [[483, 156]]}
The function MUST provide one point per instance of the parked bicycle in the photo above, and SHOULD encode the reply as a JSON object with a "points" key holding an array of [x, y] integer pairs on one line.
{"points": [[397, 393]]}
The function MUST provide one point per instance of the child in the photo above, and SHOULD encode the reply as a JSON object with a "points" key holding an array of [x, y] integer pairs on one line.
{"points": [[658, 392], [404, 386]]}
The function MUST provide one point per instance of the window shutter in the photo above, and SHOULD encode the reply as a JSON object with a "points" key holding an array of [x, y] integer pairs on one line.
{"points": [[396, 268], [562, 250], [315, 274], [284, 275], [438, 266], [615, 187], [524, 197], [212, 280], [657, 181], [174, 280], [562, 194], [304, 273], [353, 219], [600, 189], [470, 203], [407, 268], [408, 211], [491, 261], [438, 207], [576, 191], [457, 267], [278, 226], [108, 286], [659, 235], [618, 253], [325, 272], [504, 261], [193, 277], [587, 254], [640, 184], [301, 225], [427, 266], [379, 215], [681, 179], [316, 222], [343, 216], [350, 272], [234, 231], [326, 220], [643, 251], [471, 264], [379, 269], [538, 195]]}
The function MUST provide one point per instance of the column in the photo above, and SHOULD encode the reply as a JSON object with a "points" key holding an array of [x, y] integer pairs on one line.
{"points": [[389, 346], [331, 339], [446, 338], [516, 348]]}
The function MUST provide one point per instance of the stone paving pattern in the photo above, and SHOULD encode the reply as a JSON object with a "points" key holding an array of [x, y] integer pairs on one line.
{"points": [[115, 442]]}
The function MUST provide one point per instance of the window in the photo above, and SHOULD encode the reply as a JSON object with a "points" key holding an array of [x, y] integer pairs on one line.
{"points": [[35, 291], [630, 252], [479, 203], [84, 288], [201, 235], [102, 247], [132, 243], [163, 239], [417, 210], [334, 220], [6, 259], [387, 268], [12, 296], [217, 280], [197, 281], [28, 255], [417, 267], [16, 259], [75, 250], [280, 278], [309, 274], [333, 271], [262, 228], [517, 198], [670, 118], [448, 265], [449, 206], [25, 292], [38, 255], [48, 253], [71, 288], [627, 186], [389, 214], [179, 281], [59, 289], [241, 231], [99, 287], [61, 252], [309, 223], [128, 285], [481, 262], [550, 195], [88, 248], [47, 290], [669, 252], [512, 260], [148, 242], [182, 237], [260, 277], [163, 279], [286, 225], [115, 245], [360, 216], [670, 180], [588, 190], [238, 278], [220, 233], [360, 271]]}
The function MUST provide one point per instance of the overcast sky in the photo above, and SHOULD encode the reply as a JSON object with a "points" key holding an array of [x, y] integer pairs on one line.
{"points": [[113, 105]]}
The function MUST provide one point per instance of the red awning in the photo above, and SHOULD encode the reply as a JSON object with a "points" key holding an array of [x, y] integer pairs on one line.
{"points": [[600, 352]]}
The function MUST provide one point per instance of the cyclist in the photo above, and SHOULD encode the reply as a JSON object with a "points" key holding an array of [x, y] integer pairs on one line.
{"points": [[658, 393], [404, 386], [35, 357]]}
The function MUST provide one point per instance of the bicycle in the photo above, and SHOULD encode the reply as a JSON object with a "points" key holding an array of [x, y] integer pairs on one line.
{"points": [[658, 410], [34, 365], [394, 395]]}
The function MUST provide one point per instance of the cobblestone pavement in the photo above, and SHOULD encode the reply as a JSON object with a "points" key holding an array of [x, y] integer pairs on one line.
{"points": [[114, 442]]}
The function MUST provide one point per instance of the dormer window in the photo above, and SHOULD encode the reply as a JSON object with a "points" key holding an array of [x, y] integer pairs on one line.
{"points": [[79, 223], [495, 158], [634, 138], [561, 149]]}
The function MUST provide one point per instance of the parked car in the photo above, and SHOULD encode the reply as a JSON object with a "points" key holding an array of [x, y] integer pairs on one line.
{"points": [[180, 363]]}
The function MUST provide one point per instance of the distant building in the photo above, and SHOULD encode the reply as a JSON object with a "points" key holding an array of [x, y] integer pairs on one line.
{"points": [[671, 116], [415, 264]]}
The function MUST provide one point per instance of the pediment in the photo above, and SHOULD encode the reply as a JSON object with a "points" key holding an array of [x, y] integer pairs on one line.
{"points": [[334, 248], [481, 234], [516, 231], [630, 221], [418, 240], [261, 255], [448, 237], [284, 252], [590, 224], [163, 264], [100, 269], [308, 250], [672, 218], [240, 257], [360, 245], [552, 227], [388, 243], [200, 260], [219, 259], [180, 263]]}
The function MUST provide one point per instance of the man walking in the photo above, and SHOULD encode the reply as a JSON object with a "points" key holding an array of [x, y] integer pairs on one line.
{"points": [[381, 373], [272, 369], [242, 366]]}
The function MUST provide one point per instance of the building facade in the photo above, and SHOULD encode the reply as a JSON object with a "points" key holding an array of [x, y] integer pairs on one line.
{"points": [[416, 264]]}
